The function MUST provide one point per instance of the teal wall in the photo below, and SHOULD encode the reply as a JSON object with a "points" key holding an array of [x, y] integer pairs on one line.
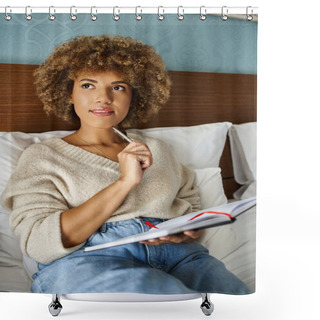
{"points": [[212, 45]]}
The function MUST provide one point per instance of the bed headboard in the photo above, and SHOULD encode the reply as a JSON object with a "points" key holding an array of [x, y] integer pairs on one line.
{"points": [[196, 98]]}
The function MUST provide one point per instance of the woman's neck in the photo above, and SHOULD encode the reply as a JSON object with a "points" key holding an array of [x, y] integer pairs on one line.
{"points": [[97, 136]]}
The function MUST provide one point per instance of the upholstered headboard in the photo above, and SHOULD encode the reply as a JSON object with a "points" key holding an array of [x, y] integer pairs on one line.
{"points": [[196, 98]]}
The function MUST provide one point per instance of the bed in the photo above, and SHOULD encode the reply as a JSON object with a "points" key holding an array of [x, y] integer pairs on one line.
{"points": [[216, 111]]}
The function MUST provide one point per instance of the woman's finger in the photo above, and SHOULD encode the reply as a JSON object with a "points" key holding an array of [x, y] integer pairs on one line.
{"points": [[141, 152]]}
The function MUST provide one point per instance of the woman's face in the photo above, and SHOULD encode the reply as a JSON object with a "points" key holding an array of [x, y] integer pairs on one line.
{"points": [[102, 99]]}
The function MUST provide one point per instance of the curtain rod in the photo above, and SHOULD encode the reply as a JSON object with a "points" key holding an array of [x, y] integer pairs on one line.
{"points": [[224, 11]]}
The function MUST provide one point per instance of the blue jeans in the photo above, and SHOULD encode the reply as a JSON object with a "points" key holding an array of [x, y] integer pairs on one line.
{"points": [[136, 268]]}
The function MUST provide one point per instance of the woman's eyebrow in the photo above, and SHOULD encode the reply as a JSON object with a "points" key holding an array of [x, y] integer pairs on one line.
{"points": [[91, 80], [120, 81], [113, 82]]}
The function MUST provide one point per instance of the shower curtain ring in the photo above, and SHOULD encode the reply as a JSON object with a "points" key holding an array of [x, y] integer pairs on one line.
{"points": [[180, 13], [224, 13], [116, 16], [93, 16], [28, 13], [249, 15], [6, 14], [138, 16], [203, 13], [51, 13], [160, 15], [73, 13]]}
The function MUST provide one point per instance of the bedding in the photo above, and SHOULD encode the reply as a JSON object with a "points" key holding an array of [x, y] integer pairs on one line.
{"points": [[243, 143], [208, 141], [232, 244]]}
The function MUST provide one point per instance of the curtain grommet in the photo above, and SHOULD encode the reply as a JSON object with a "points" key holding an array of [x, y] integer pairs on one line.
{"points": [[138, 15], [203, 13], [28, 12], [224, 13], [116, 16], [52, 10], [73, 13], [249, 15], [180, 13], [93, 15], [160, 15], [6, 14]]}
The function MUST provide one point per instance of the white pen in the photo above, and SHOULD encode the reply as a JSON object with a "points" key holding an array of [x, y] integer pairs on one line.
{"points": [[120, 134]]}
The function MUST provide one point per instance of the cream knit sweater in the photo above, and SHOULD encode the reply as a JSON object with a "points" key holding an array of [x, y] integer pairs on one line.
{"points": [[54, 176]]}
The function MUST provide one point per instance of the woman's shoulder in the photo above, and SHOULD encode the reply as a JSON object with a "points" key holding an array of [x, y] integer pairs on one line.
{"points": [[40, 150], [34, 159], [45, 145]]}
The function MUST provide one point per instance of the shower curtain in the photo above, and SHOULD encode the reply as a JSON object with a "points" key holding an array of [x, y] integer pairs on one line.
{"points": [[203, 41]]}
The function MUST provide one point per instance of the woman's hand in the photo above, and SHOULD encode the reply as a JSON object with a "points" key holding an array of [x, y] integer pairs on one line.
{"points": [[77, 225], [133, 160], [186, 236]]}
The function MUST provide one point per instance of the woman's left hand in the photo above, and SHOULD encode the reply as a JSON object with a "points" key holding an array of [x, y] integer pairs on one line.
{"points": [[186, 236]]}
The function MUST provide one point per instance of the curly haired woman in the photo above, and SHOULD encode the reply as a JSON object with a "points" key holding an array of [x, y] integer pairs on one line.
{"points": [[93, 187]]}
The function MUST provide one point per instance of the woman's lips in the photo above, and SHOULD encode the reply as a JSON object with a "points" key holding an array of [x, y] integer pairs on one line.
{"points": [[103, 112]]}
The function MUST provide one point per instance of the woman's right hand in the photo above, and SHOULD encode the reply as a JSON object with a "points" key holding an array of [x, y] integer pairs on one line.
{"points": [[133, 160], [77, 225]]}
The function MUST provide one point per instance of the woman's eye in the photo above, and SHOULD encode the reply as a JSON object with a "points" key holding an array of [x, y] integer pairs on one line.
{"points": [[118, 88], [87, 86]]}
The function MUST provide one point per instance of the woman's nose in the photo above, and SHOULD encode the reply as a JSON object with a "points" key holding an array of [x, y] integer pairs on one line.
{"points": [[104, 97]]}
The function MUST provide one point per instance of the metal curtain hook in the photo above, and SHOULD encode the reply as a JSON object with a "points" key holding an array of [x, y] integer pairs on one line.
{"points": [[51, 13], [28, 13], [93, 16], [6, 14], [116, 16], [160, 15], [249, 16], [73, 14], [138, 16], [203, 13], [224, 13], [180, 13]]}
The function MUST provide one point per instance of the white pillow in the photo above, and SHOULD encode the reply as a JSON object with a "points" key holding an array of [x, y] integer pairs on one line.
{"points": [[243, 144], [13, 276], [9, 243], [197, 147], [209, 182]]}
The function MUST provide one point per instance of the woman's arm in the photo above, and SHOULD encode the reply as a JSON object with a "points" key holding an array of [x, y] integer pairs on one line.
{"points": [[34, 195], [79, 223]]}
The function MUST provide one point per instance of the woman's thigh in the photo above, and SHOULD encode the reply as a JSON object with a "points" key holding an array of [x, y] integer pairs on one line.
{"points": [[201, 272], [116, 269], [101, 274]]}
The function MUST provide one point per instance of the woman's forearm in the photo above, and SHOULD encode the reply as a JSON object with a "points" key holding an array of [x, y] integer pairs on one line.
{"points": [[79, 223]]}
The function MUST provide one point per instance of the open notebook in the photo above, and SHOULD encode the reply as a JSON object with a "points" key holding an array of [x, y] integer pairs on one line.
{"points": [[208, 218]]}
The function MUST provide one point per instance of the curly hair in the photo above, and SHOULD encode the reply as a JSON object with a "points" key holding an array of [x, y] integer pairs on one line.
{"points": [[135, 62]]}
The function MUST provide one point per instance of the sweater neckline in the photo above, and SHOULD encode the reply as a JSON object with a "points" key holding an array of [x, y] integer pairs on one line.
{"points": [[85, 155], [82, 154]]}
